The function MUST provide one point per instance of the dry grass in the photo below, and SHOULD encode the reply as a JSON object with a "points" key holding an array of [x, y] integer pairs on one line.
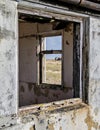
{"points": [[53, 72]]}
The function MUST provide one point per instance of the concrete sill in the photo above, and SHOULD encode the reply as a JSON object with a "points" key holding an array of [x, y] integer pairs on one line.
{"points": [[58, 106]]}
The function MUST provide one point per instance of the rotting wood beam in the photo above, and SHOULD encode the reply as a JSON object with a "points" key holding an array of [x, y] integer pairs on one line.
{"points": [[28, 36], [44, 34]]}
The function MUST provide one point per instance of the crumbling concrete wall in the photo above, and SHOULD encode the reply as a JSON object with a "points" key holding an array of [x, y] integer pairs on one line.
{"points": [[64, 115], [8, 58], [94, 73], [69, 115]]}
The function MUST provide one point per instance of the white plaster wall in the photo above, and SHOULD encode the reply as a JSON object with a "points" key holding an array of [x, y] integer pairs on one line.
{"points": [[8, 57], [62, 119], [68, 56], [71, 120], [94, 71], [66, 119]]}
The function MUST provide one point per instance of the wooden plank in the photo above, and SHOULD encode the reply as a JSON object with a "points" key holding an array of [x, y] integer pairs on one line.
{"points": [[76, 60], [51, 52], [40, 61], [44, 34], [50, 33], [85, 60]]}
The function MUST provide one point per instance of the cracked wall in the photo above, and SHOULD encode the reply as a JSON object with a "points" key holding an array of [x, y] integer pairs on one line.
{"points": [[8, 57], [70, 115], [94, 72]]}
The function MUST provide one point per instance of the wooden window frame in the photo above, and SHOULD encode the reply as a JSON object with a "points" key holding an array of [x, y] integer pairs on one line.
{"points": [[43, 52]]}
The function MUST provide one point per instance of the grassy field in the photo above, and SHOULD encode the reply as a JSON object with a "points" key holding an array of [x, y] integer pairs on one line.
{"points": [[53, 72]]}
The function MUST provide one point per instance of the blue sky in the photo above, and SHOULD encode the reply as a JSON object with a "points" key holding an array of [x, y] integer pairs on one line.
{"points": [[53, 43]]}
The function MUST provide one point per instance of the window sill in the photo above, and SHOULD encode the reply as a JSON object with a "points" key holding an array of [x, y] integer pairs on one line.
{"points": [[58, 106]]}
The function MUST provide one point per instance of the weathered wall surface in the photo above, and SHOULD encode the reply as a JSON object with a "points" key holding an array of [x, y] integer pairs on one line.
{"points": [[31, 93], [94, 72], [8, 57], [28, 50], [66, 117], [27, 53], [68, 56]]}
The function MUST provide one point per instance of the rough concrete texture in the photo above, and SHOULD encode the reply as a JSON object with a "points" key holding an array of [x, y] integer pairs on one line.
{"points": [[8, 57], [34, 94], [94, 72], [63, 116]]}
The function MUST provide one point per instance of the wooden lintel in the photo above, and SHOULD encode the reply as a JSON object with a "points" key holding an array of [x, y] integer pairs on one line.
{"points": [[44, 34], [28, 36], [50, 33]]}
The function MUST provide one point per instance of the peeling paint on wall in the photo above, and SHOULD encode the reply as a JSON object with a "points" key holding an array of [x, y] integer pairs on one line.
{"points": [[62, 115], [8, 57]]}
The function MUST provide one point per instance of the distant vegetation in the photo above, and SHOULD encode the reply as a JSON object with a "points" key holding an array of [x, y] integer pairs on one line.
{"points": [[53, 71]]}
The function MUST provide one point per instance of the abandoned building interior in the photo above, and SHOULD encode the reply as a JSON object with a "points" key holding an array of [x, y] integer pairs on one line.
{"points": [[33, 87]]}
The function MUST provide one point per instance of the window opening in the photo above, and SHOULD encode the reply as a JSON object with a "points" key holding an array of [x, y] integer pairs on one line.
{"points": [[51, 60]]}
